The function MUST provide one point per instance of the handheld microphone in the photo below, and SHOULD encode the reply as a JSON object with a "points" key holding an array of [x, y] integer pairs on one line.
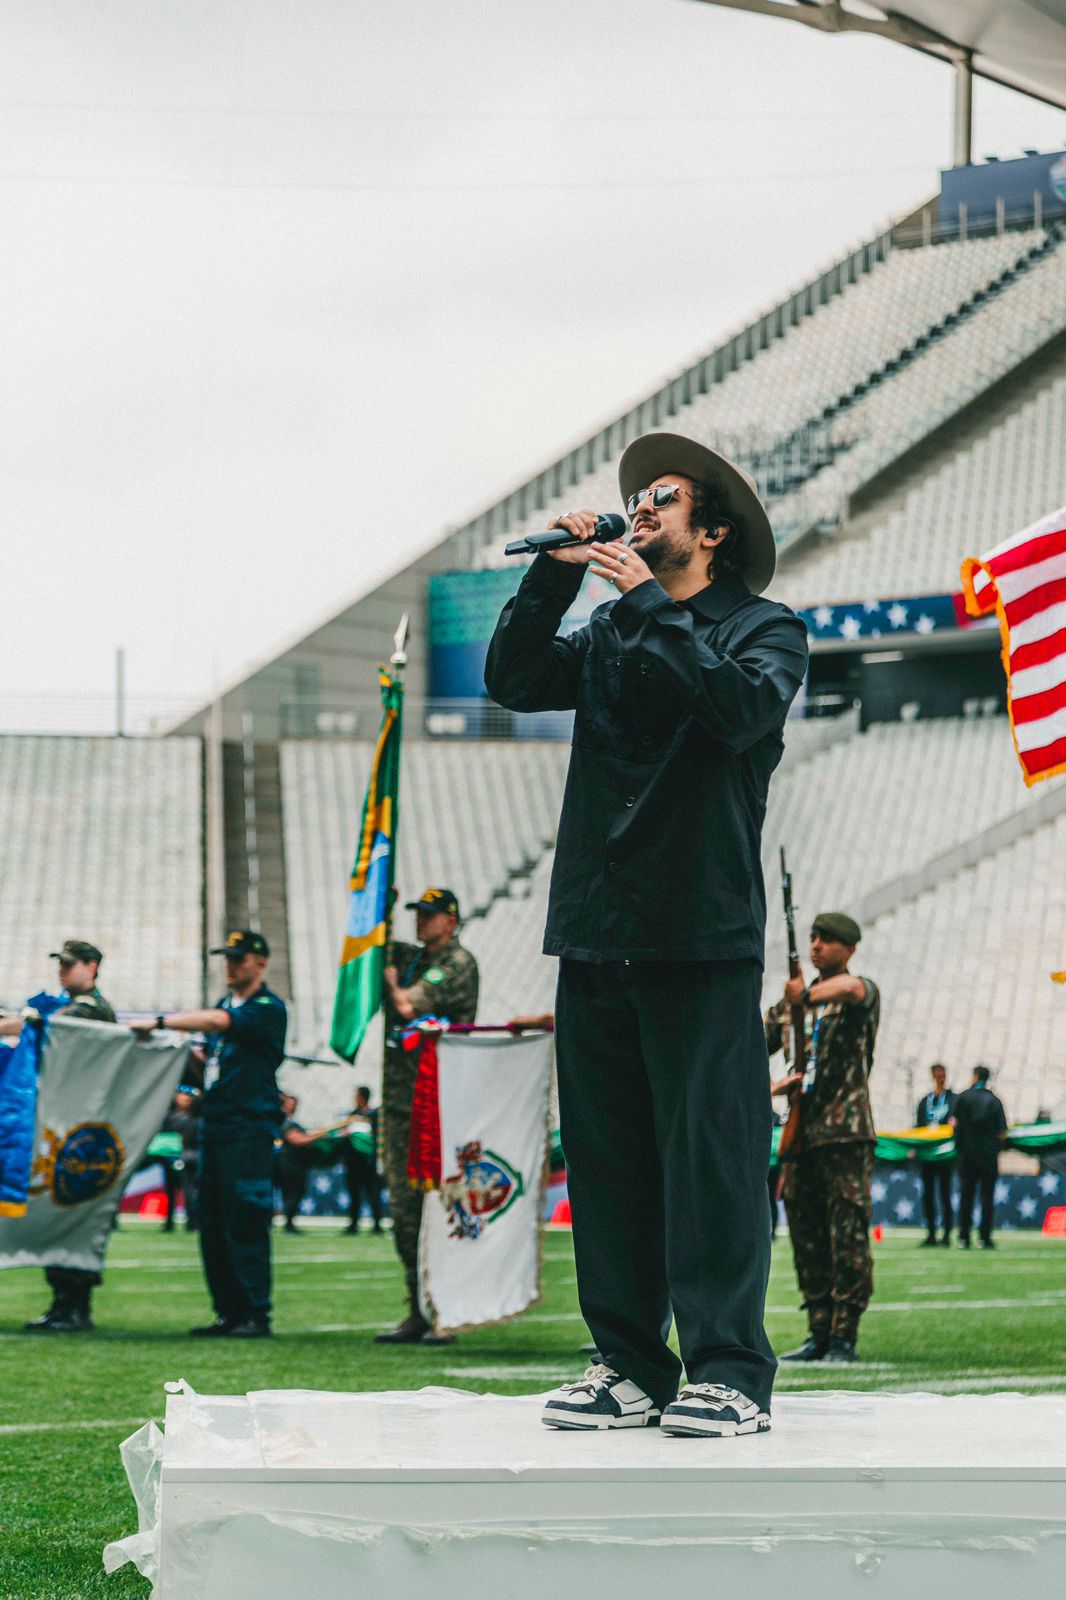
{"points": [[608, 527]]}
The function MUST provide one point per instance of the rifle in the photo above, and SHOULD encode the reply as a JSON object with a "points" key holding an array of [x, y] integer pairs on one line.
{"points": [[791, 1143]]}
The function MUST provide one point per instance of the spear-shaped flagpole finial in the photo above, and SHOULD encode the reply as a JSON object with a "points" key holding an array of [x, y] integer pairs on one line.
{"points": [[399, 641]]}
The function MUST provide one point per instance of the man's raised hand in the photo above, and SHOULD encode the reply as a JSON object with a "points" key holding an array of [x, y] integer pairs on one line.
{"points": [[582, 524]]}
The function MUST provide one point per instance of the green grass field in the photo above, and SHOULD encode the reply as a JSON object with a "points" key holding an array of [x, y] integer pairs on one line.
{"points": [[952, 1321]]}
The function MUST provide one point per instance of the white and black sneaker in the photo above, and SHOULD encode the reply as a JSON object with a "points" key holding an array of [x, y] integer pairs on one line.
{"points": [[601, 1399], [711, 1411]]}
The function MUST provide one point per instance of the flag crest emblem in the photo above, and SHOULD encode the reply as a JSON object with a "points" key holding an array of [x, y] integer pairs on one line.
{"points": [[483, 1188], [81, 1164]]}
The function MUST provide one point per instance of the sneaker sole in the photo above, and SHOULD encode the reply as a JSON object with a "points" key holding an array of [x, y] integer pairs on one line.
{"points": [[577, 1424], [697, 1428]]}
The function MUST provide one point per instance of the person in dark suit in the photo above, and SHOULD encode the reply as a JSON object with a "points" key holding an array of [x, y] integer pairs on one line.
{"points": [[980, 1128], [937, 1110]]}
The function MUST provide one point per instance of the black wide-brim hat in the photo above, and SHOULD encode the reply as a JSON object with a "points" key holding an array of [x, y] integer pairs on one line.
{"points": [[654, 454]]}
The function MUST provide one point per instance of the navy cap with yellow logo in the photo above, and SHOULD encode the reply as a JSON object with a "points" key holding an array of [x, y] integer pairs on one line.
{"points": [[78, 950], [242, 942], [436, 900]]}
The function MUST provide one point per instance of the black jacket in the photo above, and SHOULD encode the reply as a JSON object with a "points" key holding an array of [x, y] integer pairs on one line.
{"points": [[679, 714], [979, 1120], [926, 1115]]}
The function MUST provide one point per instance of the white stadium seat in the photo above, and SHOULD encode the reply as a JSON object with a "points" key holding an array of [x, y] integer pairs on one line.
{"points": [[100, 839]]}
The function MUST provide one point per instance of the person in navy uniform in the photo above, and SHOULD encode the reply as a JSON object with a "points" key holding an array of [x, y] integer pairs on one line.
{"points": [[245, 1046], [937, 1110], [80, 998]]}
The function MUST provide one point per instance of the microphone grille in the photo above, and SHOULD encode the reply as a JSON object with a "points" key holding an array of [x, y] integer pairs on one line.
{"points": [[611, 525]]}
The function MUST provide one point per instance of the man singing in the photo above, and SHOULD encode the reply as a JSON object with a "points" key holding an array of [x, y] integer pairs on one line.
{"points": [[657, 911]]}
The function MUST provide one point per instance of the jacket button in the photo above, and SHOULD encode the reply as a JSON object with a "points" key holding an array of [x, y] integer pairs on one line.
{"points": [[631, 799], [645, 670], [612, 866], [646, 739]]}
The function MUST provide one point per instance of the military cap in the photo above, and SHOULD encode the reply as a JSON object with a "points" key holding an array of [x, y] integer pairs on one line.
{"points": [[837, 925], [78, 950], [242, 942], [436, 900]]}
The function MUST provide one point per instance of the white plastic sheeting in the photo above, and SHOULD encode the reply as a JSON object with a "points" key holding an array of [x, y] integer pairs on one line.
{"points": [[344, 1494]]}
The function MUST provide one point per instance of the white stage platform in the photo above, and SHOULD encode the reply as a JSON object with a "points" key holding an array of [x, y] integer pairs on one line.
{"points": [[440, 1493]]}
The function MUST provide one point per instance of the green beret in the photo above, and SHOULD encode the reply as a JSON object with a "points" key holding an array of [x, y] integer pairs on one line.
{"points": [[837, 925]]}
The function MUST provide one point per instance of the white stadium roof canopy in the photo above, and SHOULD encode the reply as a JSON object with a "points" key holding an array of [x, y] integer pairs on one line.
{"points": [[1018, 43]]}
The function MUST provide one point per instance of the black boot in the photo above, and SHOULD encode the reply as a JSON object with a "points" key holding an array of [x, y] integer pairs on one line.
{"points": [[43, 1323], [841, 1352], [929, 1239], [411, 1330], [253, 1328], [65, 1316], [813, 1348]]}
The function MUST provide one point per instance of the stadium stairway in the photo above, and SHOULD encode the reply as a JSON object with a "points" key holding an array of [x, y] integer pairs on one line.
{"points": [[256, 895], [816, 444], [989, 472]]}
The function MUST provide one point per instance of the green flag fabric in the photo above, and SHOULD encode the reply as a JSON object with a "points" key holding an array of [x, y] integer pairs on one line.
{"points": [[366, 930], [938, 1144]]}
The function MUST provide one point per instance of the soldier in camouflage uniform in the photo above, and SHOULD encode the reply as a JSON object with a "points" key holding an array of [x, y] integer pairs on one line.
{"points": [[435, 977], [72, 1287], [827, 1188]]}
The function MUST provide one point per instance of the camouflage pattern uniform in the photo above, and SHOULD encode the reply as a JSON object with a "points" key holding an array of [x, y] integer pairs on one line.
{"points": [[442, 985], [827, 1190], [90, 1008]]}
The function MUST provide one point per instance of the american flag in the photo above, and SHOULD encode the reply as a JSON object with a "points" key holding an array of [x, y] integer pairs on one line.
{"points": [[1023, 581]]}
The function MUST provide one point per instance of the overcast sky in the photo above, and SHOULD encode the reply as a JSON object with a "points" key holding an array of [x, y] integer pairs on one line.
{"points": [[287, 288]]}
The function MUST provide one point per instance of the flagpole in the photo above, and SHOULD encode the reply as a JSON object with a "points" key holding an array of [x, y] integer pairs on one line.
{"points": [[398, 662]]}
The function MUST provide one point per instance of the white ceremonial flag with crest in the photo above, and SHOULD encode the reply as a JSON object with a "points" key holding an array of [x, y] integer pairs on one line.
{"points": [[102, 1097], [479, 1244]]}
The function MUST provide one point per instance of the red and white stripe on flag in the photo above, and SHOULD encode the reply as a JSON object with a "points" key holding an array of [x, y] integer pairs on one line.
{"points": [[1023, 580]]}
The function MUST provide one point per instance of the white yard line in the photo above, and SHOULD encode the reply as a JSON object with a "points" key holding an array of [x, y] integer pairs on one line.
{"points": [[57, 1427]]}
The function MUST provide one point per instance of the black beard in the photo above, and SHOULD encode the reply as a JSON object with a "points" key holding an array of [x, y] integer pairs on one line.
{"points": [[662, 556]]}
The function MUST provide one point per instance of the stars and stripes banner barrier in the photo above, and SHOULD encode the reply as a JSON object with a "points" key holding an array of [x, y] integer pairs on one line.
{"points": [[1020, 1201], [1023, 583], [479, 1244], [101, 1097]]}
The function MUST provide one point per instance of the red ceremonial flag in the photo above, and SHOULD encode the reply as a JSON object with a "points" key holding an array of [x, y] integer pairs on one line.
{"points": [[1023, 580]]}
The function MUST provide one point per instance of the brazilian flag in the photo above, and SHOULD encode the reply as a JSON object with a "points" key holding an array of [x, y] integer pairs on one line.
{"points": [[366, 932]]}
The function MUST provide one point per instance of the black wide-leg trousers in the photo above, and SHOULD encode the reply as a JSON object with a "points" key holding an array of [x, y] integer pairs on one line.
{"points": [[664, 1098]]}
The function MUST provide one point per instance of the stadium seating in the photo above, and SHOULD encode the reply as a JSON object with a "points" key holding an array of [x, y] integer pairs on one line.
{"points": [[905, 345], [998, 485], [902, 409], [966, 977], [101, 839]]}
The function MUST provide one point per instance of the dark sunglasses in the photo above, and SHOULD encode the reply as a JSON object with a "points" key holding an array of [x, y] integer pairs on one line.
{"points": [[660, 496]]}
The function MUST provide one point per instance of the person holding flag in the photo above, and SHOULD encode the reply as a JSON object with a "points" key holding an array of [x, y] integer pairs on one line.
{"points": [[245, 1046], [436, 977], [79, 997]]}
